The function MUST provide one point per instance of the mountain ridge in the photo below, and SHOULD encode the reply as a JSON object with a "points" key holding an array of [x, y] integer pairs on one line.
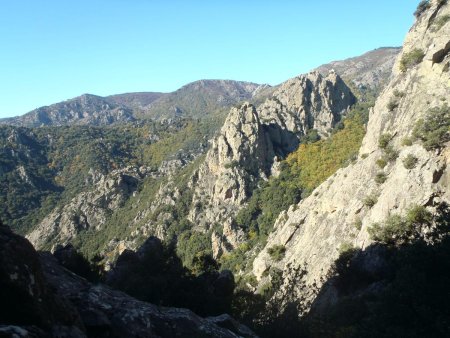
{"points": [[206, 96], [195, 99], [371, 69]]}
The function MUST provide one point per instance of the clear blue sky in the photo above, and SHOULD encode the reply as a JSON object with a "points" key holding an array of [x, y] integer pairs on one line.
{"points": [[52, 50]]}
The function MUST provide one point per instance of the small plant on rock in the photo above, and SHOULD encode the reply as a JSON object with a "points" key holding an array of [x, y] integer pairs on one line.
{"points": [[398, 94], [392, 104], [410, 161], [346, 247], [370, 200], [440, 22], [232, 164], [380, 178], [390, 154], [358, 224], [381, 162], [434, 129], [407, 142], [277, 252], [398, 230], [384, 140], [421, 8], [411, 59]]}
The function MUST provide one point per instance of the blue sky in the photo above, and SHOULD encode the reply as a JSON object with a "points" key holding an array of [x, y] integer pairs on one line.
{"points": [[52, 50]]}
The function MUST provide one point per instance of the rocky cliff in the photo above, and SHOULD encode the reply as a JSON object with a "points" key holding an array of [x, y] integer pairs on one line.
{"points": [[253, 140], [116, 209], [248, 149], [342, 209]]}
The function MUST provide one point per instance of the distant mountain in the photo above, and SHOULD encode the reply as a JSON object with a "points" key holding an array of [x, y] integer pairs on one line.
{"points": [[86, 109], [135, 100], [197, 99], [371, 69]]}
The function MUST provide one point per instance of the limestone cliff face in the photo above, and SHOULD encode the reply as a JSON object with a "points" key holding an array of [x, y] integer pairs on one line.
{"points": [[253, 140], [313, 231]]}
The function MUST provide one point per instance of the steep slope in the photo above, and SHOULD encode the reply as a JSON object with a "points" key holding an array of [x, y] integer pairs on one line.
{"points": [[392, 174], [372, 69], [25, 177], [44, 168], [94, 191], [88, 209]]}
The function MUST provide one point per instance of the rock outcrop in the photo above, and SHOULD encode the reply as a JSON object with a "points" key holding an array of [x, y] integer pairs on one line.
{"points": [[310, 101], [106, 312], [313, 231], [41, 298], [251, 143], [88, 209], [28, 303]]}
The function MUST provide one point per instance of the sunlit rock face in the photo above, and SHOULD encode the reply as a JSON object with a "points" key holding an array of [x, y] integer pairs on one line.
{"points": [[313, 231]]}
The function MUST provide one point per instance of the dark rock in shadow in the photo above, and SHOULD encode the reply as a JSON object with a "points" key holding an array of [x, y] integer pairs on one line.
{"points": [[41, 298]]}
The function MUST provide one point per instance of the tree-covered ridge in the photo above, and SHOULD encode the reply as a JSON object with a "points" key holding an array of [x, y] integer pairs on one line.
{"points": [[26, 180], [42, 168]]}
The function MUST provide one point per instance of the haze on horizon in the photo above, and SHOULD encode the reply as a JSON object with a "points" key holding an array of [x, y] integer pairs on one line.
{"points": [[52, 50]]}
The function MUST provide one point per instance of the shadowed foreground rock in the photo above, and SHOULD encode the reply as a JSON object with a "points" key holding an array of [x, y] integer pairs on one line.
{"points": [[27, 299], [40, 298]]}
